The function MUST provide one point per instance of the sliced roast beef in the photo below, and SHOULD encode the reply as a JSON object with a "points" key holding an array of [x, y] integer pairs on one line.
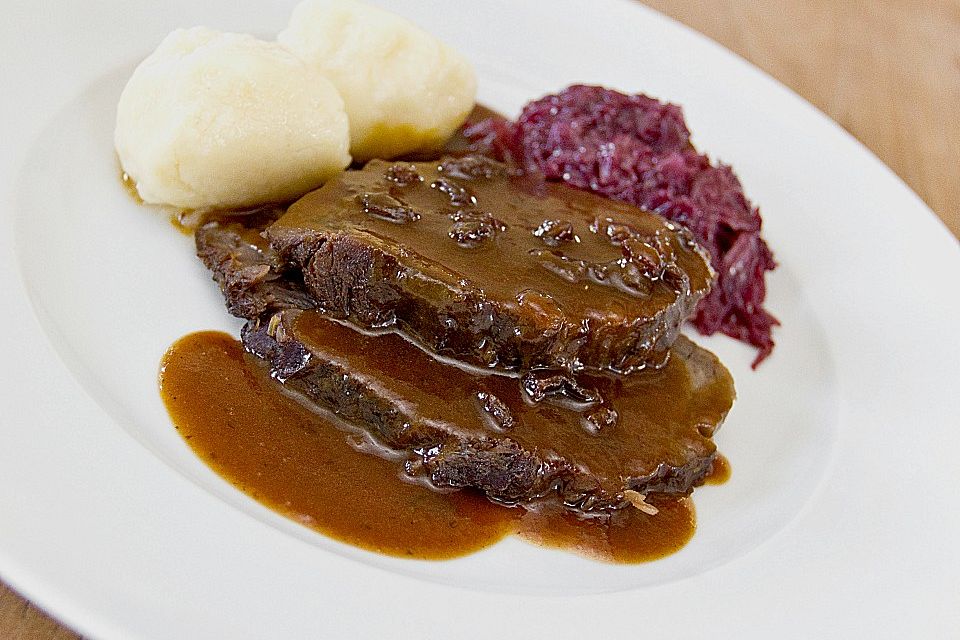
{"points": [[465, 428], [251, 276], [494, 269]]}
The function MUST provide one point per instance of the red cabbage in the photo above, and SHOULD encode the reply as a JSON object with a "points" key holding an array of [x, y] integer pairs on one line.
{"points": [[637, 149]]}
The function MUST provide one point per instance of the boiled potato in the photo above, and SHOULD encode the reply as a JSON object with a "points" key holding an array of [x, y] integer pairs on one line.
{"points": [[404, 90], [224, 120]]}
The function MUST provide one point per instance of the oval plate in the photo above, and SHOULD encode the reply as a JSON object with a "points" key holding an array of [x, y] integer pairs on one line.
{"points": [[839, 442]]}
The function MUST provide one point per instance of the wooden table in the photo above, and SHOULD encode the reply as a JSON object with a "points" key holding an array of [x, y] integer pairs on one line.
{"points": [[887, 70]]}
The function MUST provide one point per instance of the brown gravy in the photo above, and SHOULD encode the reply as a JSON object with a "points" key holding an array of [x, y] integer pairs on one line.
{"points": [[720, 471], [547, 249], [662, 418], [186, 221], [317, 471], [129, 185]]}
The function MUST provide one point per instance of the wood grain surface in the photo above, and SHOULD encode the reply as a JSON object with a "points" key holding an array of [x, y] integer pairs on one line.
{"points": [[887, 70]]}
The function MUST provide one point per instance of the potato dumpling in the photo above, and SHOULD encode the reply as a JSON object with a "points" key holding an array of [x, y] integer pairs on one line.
{"points": [[224, 120], [404, 90]]}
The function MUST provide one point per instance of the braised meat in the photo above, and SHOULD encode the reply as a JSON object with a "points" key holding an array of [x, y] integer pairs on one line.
{"points": [[649, 432], [494, 269]]}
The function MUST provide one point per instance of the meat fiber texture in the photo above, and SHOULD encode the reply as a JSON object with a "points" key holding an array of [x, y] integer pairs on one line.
{"points": [[251, 276], [466, 430], [636, 149], [505, 294]]}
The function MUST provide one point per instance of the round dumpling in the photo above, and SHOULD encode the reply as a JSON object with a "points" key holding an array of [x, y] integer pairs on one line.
{"points": [[224, 120], [404, 89]]}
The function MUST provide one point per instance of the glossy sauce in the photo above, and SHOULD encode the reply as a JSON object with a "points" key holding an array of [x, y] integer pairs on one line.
{"points": [[720, 471], [187, 221], [130, 186], [663, 417], [513, 234], [317, 471]]}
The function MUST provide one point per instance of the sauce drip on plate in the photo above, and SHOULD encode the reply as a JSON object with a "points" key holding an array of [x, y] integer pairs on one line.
{"points": [[320, 472]]}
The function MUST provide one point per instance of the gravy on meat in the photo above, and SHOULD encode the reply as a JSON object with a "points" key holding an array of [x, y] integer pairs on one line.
{"points": [[319, 472]]}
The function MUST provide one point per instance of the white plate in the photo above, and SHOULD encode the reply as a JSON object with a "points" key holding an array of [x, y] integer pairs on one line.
{"points": [[837, 520]]}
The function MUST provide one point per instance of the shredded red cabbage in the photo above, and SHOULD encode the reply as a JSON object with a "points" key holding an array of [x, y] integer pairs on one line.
{"points": [[637, 149]]}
